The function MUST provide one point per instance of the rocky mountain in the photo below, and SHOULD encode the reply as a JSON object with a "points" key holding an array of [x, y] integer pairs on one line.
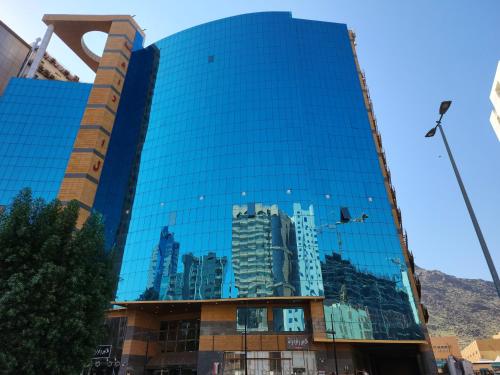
{"points": [[467, 308]]}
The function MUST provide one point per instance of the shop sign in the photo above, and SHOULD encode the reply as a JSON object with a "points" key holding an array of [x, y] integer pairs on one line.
{"points": [[297, 342], [102, 351]]}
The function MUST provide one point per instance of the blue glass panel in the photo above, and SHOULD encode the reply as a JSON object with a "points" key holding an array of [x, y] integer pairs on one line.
{"points": [[138, 42], [259, 177], [39, 121], [115, 191]]}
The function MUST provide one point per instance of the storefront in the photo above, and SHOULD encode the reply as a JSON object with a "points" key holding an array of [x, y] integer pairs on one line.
{"points": [[278, 336]]}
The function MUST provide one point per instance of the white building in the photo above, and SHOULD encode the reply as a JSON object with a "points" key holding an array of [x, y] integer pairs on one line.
{"points": [[309, 266], [495, 100]]}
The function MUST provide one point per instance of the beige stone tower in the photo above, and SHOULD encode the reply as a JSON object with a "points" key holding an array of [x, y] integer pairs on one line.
{"points": [[89, 151]]}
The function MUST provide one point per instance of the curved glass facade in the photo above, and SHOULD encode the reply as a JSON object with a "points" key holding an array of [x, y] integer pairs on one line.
{"points": [[259, 177]]}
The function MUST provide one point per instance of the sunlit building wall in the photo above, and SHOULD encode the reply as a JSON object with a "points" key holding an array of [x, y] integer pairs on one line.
{"points": [[14, 52]]}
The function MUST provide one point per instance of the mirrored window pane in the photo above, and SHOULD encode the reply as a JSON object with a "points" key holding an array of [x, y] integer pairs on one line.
{"points": [[252, 319], [288, 320]]}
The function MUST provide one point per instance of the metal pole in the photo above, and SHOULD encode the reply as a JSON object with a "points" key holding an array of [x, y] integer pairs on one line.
{"points": [[334, 347], [479, 234], [246, 351], [40, 52], [147, 352], [31, 53]]}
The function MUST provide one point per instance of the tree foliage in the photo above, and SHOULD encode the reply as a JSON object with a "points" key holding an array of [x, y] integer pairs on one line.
{"points": [[150, 294], [55, 285]]}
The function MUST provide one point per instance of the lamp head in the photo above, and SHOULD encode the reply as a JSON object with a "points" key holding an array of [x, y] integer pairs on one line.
{"points": [[444, 107], [431, 132]]}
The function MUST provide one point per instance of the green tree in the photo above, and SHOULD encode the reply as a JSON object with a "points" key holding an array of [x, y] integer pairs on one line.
{"points": [[55, 285], [150, 294]]}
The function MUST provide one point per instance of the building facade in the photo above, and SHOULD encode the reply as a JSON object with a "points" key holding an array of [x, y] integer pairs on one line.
{"points": [[483, 349], [13, 54], [444, 347], [16, 56], [226, 160]]}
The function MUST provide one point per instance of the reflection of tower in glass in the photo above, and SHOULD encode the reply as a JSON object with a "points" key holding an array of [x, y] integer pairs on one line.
{"points": [[163, 263], [202, 277], [310, 280], [349, 321], [293, 320], [406, 282], [387, 306], [263, 246]]}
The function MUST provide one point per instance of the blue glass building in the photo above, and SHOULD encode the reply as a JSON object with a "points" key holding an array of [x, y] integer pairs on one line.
{"points": [[250, 117], [38, 124], [244, 164]]}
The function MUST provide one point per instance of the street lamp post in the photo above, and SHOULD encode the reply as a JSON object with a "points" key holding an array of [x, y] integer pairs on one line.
{"points": [[442, 110], [334, 346], [245, 338]]}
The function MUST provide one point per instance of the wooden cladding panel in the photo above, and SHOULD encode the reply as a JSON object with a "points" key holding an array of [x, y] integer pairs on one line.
{"points": [[222, 343], [218, 313], [318, 319], [206, 344], [143, 320], [134, 347], [269, 342], [255, 342]]}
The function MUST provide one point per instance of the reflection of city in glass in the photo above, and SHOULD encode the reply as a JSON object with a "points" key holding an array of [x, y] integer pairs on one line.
{"points": [[251, 319], [163, 263], [349, 322], [256, 135], [288, 320], [262, 244], [201, 279], [360, 299], [308, 264]]}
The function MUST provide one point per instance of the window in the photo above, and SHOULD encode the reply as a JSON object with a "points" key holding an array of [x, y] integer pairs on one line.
{"points": [[211, 58], [288, 320], [179, 335], [254, 317], [275, 361]]}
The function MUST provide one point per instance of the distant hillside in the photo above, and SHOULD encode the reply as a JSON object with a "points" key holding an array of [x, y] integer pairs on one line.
{"points": [[468, 308]]}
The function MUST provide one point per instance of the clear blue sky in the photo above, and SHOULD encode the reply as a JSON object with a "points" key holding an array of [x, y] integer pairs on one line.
{"points": [[415, 54]]}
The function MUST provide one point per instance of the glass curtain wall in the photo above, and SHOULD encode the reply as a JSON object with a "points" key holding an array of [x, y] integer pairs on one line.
{"points": [[259, 177], [39, 121]]}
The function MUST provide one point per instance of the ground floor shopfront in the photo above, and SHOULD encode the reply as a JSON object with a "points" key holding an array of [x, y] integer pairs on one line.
{"points": [[274, 336]]}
